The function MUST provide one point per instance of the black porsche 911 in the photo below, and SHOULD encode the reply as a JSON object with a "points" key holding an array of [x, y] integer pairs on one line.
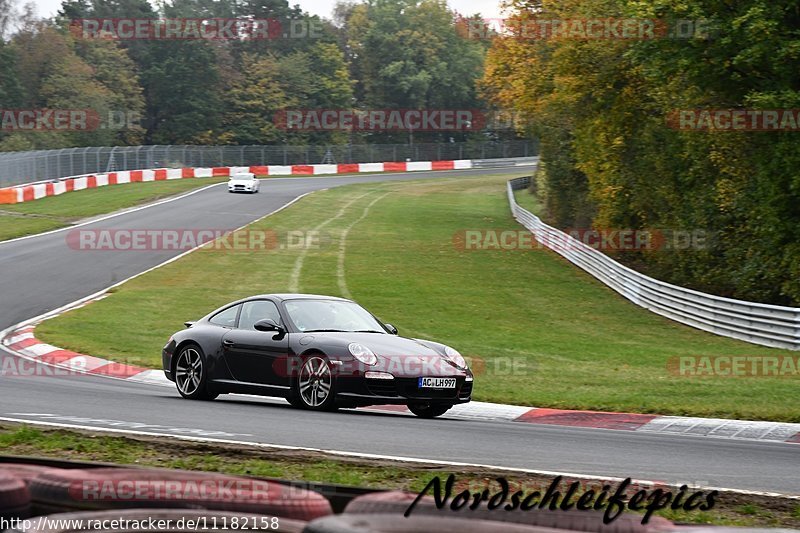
{"points": [[318, 352]]}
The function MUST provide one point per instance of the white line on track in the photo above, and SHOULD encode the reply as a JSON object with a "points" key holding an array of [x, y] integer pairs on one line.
{"points": [[339, 453], [340, 274]]}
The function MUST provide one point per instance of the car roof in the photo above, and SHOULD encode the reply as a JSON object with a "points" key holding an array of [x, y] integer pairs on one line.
{"points": [[297, 296], [276, 297]]}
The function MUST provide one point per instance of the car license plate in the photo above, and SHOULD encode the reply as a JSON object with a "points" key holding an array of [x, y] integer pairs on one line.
{"points": [[437, 383]]}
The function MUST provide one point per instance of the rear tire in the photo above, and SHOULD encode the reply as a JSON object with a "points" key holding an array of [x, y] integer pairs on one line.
{"points": [[191, 375], [428, 410]]}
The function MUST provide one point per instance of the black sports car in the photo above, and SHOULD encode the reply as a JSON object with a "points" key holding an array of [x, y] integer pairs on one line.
{"points": [[318, 352]]}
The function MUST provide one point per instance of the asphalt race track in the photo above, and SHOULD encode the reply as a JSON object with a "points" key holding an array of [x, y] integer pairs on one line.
{"points": [[42, 273]]}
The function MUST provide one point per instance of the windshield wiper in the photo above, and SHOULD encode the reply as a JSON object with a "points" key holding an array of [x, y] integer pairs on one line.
{"points": [[325, 330], [368, 331]]}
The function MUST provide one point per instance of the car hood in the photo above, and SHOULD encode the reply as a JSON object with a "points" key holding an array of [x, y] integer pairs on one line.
{"points": [[241, 182], [382, 344]]}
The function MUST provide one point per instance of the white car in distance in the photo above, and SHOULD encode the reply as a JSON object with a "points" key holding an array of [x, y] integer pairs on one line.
{"points": [[244, 182]]}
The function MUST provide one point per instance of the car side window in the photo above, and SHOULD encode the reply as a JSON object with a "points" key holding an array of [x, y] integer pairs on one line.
{"points": [[227, 317], [257, 310]]}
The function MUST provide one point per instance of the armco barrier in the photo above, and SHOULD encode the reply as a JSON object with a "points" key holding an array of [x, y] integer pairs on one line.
{"points": [[767, 325], [35, 191]]}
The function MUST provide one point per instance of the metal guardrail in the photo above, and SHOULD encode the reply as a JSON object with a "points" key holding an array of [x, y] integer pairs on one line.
{"points": [[507, 162], [26, 167], [763, 324]]}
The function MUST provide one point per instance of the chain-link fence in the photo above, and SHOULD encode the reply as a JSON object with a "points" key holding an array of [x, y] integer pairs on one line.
{"points": [[23, 167]]}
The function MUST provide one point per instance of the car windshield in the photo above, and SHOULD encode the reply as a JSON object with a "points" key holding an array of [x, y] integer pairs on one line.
{"points": [[331, 315], [242, 177]]}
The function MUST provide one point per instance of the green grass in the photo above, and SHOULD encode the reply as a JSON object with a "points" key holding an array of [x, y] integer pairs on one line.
{"points": [[527, 200], [24, 441], [68, 445], [540, 331], [54, 212]]}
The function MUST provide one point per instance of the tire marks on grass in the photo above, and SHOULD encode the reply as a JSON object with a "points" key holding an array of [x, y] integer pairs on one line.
{"points": [[340, 270], [297, 271]]}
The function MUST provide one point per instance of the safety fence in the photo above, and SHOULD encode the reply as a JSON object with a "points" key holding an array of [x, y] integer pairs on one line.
{"points": [[26, 167]]}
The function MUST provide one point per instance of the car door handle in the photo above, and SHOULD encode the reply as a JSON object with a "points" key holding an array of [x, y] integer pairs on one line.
{"points": [[227, 343]]}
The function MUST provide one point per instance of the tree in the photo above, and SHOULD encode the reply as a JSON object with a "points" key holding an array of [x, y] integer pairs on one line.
{"points": [[182, 88], [600, 107], [10, 90], [118, 74], [409, 55]]}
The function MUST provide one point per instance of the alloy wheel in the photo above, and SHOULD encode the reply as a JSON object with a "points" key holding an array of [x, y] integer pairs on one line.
{"points": [[315, 382]]}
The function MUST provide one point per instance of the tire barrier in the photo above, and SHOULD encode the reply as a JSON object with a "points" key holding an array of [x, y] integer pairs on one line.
{"points": [[176, 520], [395, 503], [126, 488], [15, 500], [397, 523], [24, 471]]}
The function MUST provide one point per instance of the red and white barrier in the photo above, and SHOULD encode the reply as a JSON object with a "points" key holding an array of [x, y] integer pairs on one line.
{"points": [[35, 191]]}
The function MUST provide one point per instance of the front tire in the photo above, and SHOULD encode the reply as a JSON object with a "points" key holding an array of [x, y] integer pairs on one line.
{"points": [[428, 410], [191, 376], [314, 385]]}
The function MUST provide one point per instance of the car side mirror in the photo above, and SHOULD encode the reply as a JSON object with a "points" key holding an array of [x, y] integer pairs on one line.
{"points": [[391, 328], [267, 324]]}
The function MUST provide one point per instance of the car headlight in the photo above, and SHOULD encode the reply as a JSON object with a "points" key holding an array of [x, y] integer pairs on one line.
{"points": [[362, 353], [455, 357]]}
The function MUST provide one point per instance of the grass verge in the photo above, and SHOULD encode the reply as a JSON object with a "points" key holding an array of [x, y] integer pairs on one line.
{"points": [[731, 509], [540, 331], [54, 212]]}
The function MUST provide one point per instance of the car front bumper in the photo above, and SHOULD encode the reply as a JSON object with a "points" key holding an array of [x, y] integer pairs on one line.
{"points": [[400, 391]]}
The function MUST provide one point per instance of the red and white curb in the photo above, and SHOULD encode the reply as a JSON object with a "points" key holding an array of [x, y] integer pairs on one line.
{"points": [[35, 191], [24, 344]]}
